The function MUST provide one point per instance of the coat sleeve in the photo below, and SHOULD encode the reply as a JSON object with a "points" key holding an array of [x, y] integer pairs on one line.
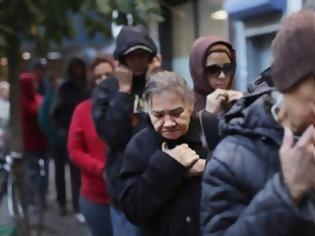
{"points": [[148, 186], [77, 147], [111, 113], [210, 129], [228, 209], [59, 107]]}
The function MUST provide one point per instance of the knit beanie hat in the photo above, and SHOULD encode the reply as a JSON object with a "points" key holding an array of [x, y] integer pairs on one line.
{"points": [[293, 50]]}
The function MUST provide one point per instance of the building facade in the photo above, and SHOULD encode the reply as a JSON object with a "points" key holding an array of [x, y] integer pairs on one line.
{"points": [[249, 24]]}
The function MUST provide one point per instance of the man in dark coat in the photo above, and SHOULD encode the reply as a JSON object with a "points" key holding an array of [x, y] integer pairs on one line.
{"points": [[164, 162], [118, 107], [71, 92], [260, 180]]}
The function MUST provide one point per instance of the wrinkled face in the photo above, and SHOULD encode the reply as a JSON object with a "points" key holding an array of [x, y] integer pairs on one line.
{"points": [[300, 105], [218, 68], [170, 114], [138, 61], [101, 72]]}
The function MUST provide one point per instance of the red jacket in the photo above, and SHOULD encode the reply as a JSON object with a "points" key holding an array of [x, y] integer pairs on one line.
{"points": [[33, 138], [87, 151]]}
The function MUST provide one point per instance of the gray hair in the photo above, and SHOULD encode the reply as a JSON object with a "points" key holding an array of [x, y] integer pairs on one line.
{"points": [[167, 81]]}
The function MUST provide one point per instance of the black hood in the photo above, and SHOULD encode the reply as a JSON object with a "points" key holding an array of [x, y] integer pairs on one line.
{"points": [[74, 63], [251, 116], [131, 36]]}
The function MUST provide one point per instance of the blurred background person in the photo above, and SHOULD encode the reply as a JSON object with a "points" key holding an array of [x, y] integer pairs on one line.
{"points": [[45, 120], [39, 70], [34, 141], [86, 150], [73, 90]]}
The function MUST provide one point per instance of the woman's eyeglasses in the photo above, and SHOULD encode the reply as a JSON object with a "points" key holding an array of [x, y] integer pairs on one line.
{"points": [[215, 70]]}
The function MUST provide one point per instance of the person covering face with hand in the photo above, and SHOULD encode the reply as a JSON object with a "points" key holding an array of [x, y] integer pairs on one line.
{"points": [[212, 66], [261, 178], [118, 109]]}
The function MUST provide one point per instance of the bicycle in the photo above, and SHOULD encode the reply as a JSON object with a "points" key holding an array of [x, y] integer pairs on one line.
{"points": [[14, 191], [17, 187]]}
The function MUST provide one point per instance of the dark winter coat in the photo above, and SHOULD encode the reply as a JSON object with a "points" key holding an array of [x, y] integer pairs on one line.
{"points": [[157, 195], [69, 95], [44, 116], [242, 190], [112, 113], [33, 138]]}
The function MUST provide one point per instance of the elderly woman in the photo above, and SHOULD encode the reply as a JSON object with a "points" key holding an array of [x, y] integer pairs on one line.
{"points": [[164, 162]]}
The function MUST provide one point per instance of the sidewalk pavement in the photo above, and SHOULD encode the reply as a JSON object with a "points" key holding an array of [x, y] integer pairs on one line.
{"points": [[54, 225]]}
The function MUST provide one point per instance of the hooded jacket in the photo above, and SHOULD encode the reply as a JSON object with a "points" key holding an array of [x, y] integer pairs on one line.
{"points": [[112, 114], [70, 93], [113, 111], [131, 36], [197, 60], [33, 138], [243, 192], [128, 38]]}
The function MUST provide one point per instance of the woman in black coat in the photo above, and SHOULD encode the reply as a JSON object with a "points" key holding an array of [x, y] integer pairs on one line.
{"points": [[163, 163]]}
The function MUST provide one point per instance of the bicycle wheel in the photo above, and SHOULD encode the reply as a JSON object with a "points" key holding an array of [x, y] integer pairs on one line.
{"points": [[3, 183], [36, 176], [17, 204]]}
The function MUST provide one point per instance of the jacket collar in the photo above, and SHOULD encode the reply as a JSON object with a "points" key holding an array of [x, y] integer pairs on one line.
{"points": [[192, 136]]}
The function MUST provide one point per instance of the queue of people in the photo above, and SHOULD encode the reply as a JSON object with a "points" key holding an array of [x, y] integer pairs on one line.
{"points": [[150, 156]]}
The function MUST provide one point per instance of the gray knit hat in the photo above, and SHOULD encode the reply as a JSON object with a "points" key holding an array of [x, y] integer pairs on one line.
{"points": [[294, 50]]}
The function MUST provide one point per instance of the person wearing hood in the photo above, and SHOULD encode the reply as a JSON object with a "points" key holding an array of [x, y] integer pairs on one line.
{"points": [[212, 67], [260, 180], [118, 109], [39, 70], [73, 90], [34, 141]]}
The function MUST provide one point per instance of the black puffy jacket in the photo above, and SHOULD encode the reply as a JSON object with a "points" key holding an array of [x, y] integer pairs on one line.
{"points": [[112, 113], [242, 189]]}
